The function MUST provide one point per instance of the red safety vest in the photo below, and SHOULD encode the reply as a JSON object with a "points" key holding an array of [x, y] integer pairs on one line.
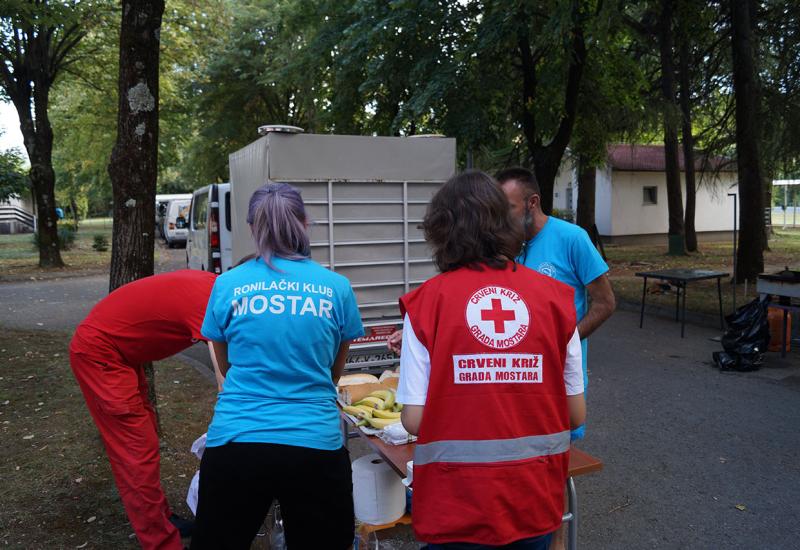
{"points": [[493, 451]]}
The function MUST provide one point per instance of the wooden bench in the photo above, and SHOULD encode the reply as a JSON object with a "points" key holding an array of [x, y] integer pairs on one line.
{"points": [[397, 456]]}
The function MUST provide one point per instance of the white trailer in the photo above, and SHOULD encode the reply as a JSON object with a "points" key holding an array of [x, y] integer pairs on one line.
{"points": [[366, 197]]}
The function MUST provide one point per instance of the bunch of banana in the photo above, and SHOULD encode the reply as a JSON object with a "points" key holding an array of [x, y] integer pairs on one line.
{"points": [[381, 399], [377, 410], [360, 411], [370, 401]]}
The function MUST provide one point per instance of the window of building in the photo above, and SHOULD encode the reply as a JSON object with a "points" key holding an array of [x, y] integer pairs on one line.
{"points": [[650, 195]]}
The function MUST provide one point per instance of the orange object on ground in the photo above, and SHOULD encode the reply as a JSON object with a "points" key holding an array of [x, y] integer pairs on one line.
{"points": [[775, 319]]}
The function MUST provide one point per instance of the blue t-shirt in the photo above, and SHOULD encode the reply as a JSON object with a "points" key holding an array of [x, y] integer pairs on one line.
{"points": [[564, 251], [283, 328]]}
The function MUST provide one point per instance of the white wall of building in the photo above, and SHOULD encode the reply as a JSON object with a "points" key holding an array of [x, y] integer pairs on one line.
{"points": [[16, 215], [565, 190], [602, 201], [621, 210]]}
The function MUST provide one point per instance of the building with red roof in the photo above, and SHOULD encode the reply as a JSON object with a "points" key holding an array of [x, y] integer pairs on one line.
{"points": [[631, 194]]}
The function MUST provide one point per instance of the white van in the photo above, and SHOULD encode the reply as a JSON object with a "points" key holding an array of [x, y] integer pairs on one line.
{"points": [[176, 222], [209, 242], [162, 201]]}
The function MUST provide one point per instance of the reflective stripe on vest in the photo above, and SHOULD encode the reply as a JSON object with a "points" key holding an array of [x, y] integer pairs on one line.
{"points": [[491, 450]]}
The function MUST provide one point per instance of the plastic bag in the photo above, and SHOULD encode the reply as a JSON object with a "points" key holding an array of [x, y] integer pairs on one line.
{"points": [[194, 490], [396, 434], [746, 339], [198, 447]]}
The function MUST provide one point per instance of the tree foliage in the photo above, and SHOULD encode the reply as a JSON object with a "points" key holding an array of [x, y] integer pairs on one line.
{"points": [[37, 43], [13, 178], [536, 83]]}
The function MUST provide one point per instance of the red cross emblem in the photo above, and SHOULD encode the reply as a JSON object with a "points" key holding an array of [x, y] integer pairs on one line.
{"points": [[498, 315]]}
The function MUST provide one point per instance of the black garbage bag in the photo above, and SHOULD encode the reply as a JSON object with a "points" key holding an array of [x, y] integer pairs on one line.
{"points": [[746, 339]]}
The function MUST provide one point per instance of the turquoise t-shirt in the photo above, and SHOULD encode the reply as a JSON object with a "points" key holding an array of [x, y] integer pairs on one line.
{"points": [[283, 328], [564, 251]]}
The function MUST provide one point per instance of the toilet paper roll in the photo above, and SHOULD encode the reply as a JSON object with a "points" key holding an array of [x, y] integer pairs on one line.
{"points": [[378, 494]]}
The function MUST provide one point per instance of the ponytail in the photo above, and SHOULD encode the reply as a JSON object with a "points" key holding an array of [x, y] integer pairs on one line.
{"points": [[277, 219]]}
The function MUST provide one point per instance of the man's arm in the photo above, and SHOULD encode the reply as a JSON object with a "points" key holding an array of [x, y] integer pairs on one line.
{"points": [[217, 372], [573, 381], [339, 362], [221, 354], [415, 370], [395, 341], [577, 411], [601, 305], [411, 418]]}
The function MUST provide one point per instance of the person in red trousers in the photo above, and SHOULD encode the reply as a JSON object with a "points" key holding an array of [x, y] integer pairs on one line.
{"points": [[147, 320]]}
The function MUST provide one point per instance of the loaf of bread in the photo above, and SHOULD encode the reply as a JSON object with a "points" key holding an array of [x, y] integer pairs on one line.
{"points": [[357, 378], [352, 394], [387, 374]]}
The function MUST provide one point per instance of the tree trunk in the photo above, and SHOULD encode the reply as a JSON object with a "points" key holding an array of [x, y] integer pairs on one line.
{"points": [[43, 180], [672, 167], [750, 255], [37, 135], [688, 144], [75, 218], [134, 160], [586, 196], [766, 202], [547, 158]]}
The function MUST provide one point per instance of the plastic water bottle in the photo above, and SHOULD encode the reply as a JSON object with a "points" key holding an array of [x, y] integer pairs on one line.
{"points": [[277, 536], [366, 542]]}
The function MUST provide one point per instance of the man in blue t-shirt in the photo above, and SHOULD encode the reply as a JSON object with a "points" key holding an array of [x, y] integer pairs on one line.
{"points": [[563, 251]]}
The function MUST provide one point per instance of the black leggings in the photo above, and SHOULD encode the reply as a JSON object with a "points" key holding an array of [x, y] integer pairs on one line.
{"points": [[238, 482]]}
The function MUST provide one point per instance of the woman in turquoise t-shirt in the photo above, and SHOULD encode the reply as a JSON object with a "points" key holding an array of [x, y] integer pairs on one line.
{"points": [[281, 326]]}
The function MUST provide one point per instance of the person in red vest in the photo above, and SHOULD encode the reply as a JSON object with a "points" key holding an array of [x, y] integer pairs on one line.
{"points": [[147, 320], [491, 379]]}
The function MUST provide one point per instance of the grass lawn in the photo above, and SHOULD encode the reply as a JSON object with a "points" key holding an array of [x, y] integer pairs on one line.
{"points": [[57, 490], [626, 261], [788, 217], [19, 257]]}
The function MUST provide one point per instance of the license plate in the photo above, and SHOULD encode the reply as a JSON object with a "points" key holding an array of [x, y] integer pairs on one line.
{"points": [[368, 358]]}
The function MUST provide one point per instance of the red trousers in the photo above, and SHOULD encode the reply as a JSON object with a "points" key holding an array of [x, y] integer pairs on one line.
{"points": [[116, 395]]}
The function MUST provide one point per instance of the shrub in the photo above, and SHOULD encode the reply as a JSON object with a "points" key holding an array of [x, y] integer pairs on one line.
{"points": [[66, 238], [566, 215], [100, 243]]}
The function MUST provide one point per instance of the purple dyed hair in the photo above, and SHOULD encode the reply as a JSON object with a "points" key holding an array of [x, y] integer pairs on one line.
{"points": [[277, 219]]}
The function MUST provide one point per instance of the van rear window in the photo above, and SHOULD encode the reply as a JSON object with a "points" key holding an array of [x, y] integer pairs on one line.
{"points": [[228, 210], [200, 211]]}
